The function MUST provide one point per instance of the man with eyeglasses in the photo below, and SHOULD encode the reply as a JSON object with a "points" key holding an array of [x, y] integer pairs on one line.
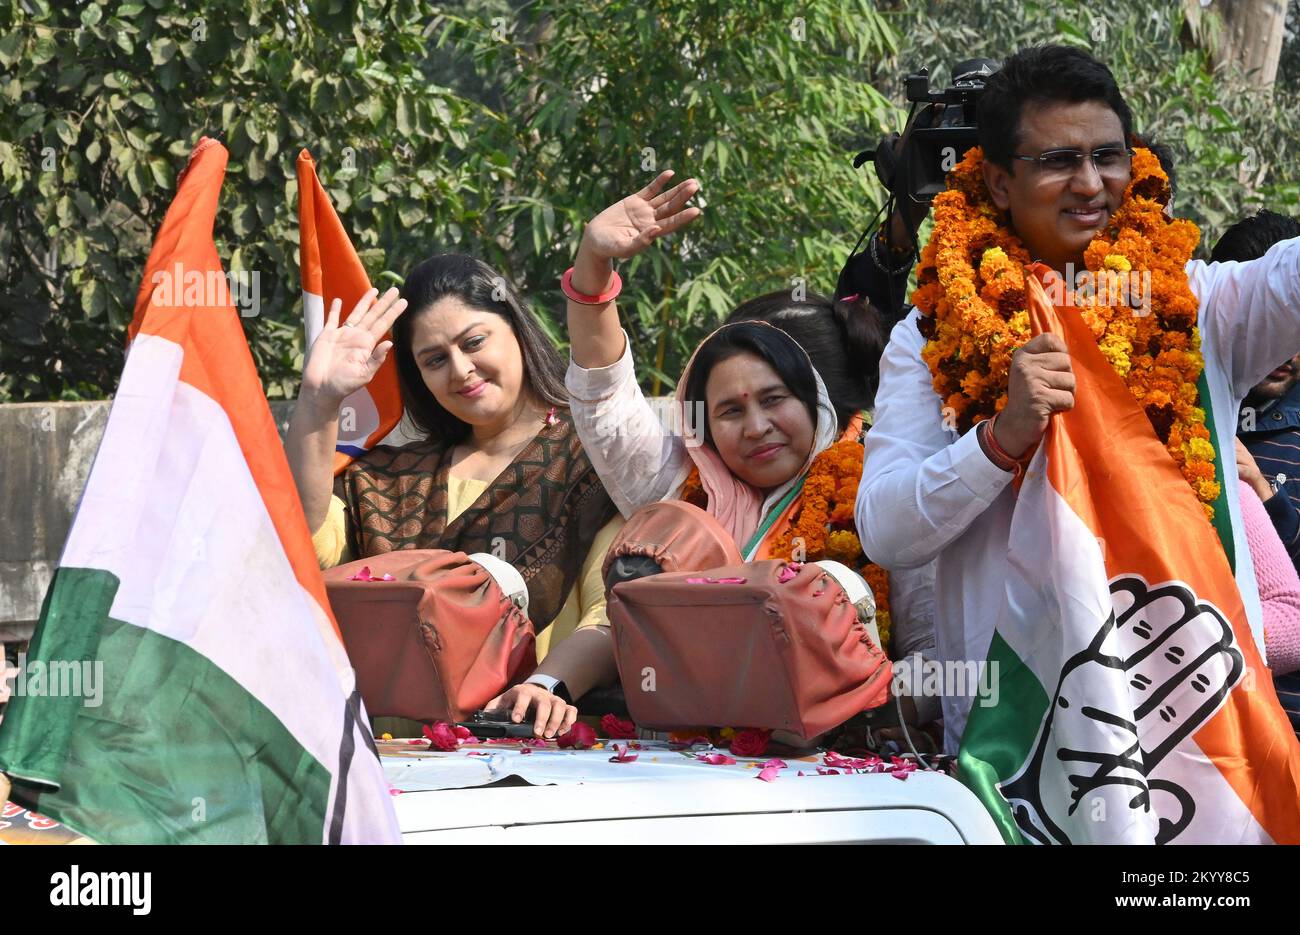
{"points": [[1056, 135]]}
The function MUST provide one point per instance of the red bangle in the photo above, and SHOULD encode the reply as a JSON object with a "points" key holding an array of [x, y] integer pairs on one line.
{"points": [[566, 286]]}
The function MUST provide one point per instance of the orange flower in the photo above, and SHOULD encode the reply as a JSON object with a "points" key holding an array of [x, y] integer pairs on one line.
{"points": [[971, 284]]}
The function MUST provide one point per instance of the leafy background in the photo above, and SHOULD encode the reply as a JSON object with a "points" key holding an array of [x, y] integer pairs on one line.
{"points": [[497, 128]]}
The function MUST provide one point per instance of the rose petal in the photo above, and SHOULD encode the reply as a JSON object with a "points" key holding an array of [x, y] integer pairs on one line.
{"points": [[579, 737], [523, 750], [622, 756], [463, 734], [717, 759], [768, 773], [441, 736], [616, 728], [779, 764], [788, 572]]}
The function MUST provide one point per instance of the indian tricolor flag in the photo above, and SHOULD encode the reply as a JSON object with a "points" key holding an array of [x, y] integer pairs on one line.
{"points": [[1134, 706], [332, 270], [224, 708]]}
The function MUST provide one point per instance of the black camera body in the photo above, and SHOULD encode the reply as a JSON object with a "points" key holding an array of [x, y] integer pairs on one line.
{"points": [[914, 169], [944, 129]]}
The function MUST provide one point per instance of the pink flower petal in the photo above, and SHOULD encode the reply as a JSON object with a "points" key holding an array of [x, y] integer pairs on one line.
{"points": [[463, 734], [441, 736], [717, 759], [788, 572], [779, 764], [616, 728], [768, 773], [579, 737], [622, 756], [523, 750]]}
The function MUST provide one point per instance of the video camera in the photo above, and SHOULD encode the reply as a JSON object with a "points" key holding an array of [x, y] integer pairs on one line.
{"points": [[913, 168], [943, 129]]}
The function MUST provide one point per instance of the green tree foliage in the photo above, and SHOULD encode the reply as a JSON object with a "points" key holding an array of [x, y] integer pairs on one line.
{"points": [[101, 103], [498, 127], [764, 103], [1235, 151]]}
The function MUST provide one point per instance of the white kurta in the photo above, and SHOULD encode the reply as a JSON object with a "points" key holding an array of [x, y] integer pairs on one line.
{"points": [[929, 495]]}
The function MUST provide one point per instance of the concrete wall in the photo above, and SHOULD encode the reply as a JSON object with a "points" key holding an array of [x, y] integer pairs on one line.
{"points": [[46, 450]]}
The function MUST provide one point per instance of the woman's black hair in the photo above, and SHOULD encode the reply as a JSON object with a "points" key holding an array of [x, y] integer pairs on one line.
{"points": [[843, 339], [770, 344], [477, 285]]}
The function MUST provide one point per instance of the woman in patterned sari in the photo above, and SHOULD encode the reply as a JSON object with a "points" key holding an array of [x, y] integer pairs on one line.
{"points": [[500, 469]]}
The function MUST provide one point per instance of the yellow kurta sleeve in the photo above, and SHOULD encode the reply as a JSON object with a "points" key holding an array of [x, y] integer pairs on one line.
{"points": [[585, 605], [331, 540]]}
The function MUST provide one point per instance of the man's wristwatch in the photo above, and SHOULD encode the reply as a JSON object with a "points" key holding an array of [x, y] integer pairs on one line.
{"points": [[553, 685]]}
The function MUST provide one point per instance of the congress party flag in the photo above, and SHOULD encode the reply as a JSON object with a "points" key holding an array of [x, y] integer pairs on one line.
{"points": [[332, 270], [224, 708], [1134, 706]]}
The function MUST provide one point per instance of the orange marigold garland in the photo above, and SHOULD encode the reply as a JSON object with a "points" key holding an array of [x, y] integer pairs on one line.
{"points": [[824, 521], [971, 291]]}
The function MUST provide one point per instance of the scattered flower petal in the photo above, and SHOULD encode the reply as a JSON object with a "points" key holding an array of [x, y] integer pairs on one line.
{"points": [[750, 742], [717, 759], [441, 736], [623, 755], [779, 764], [616, 728], [768, 773], [788, 572], [578, 737]]}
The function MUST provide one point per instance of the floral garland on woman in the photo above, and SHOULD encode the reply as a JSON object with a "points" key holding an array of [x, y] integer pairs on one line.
{"points": [[824, 520], [971, 290]]}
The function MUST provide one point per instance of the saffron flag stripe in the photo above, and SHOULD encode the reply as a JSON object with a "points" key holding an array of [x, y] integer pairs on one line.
{"points": [[331, 269], [189, 574], [1136, 707]]}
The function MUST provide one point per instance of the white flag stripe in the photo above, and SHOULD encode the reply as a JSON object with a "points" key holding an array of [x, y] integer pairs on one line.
{"points": [[186, 531], [1058, 603]]}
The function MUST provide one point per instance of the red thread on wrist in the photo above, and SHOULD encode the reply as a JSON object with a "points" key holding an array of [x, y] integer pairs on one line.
{"points": [[582, 298], [999, 455]]}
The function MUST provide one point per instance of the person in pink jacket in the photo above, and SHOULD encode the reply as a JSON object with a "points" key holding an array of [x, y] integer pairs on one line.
{"points": [[1279, 585]]}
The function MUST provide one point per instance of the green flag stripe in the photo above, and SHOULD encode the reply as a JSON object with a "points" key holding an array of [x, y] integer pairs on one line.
{"points": [[176, 752], [1222, 518], [999, 738]]}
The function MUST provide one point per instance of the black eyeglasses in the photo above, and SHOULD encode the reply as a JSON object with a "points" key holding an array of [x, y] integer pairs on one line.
{"points": [[1109, 160]]}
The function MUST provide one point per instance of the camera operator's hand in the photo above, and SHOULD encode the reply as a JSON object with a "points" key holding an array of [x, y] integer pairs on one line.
{"points": [[1041, 383], [906, 210]]}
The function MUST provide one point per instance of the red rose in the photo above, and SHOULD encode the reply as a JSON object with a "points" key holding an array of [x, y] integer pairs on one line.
{"points": [[617, 729], [579, 737], [441, 736], [750, 742]]}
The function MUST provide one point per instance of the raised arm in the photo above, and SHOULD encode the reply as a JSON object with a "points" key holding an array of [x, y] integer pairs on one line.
{"points": [[342, 359], [1250, 311], [637, 460], [619, 232]]}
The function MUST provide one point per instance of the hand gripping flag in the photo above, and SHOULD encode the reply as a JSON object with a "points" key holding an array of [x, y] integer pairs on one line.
{"points": [[214, 701], [332, 270], [1133, 704]]}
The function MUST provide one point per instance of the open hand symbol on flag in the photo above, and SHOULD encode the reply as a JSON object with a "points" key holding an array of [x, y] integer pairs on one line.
{"points": [[1158, 669]]}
